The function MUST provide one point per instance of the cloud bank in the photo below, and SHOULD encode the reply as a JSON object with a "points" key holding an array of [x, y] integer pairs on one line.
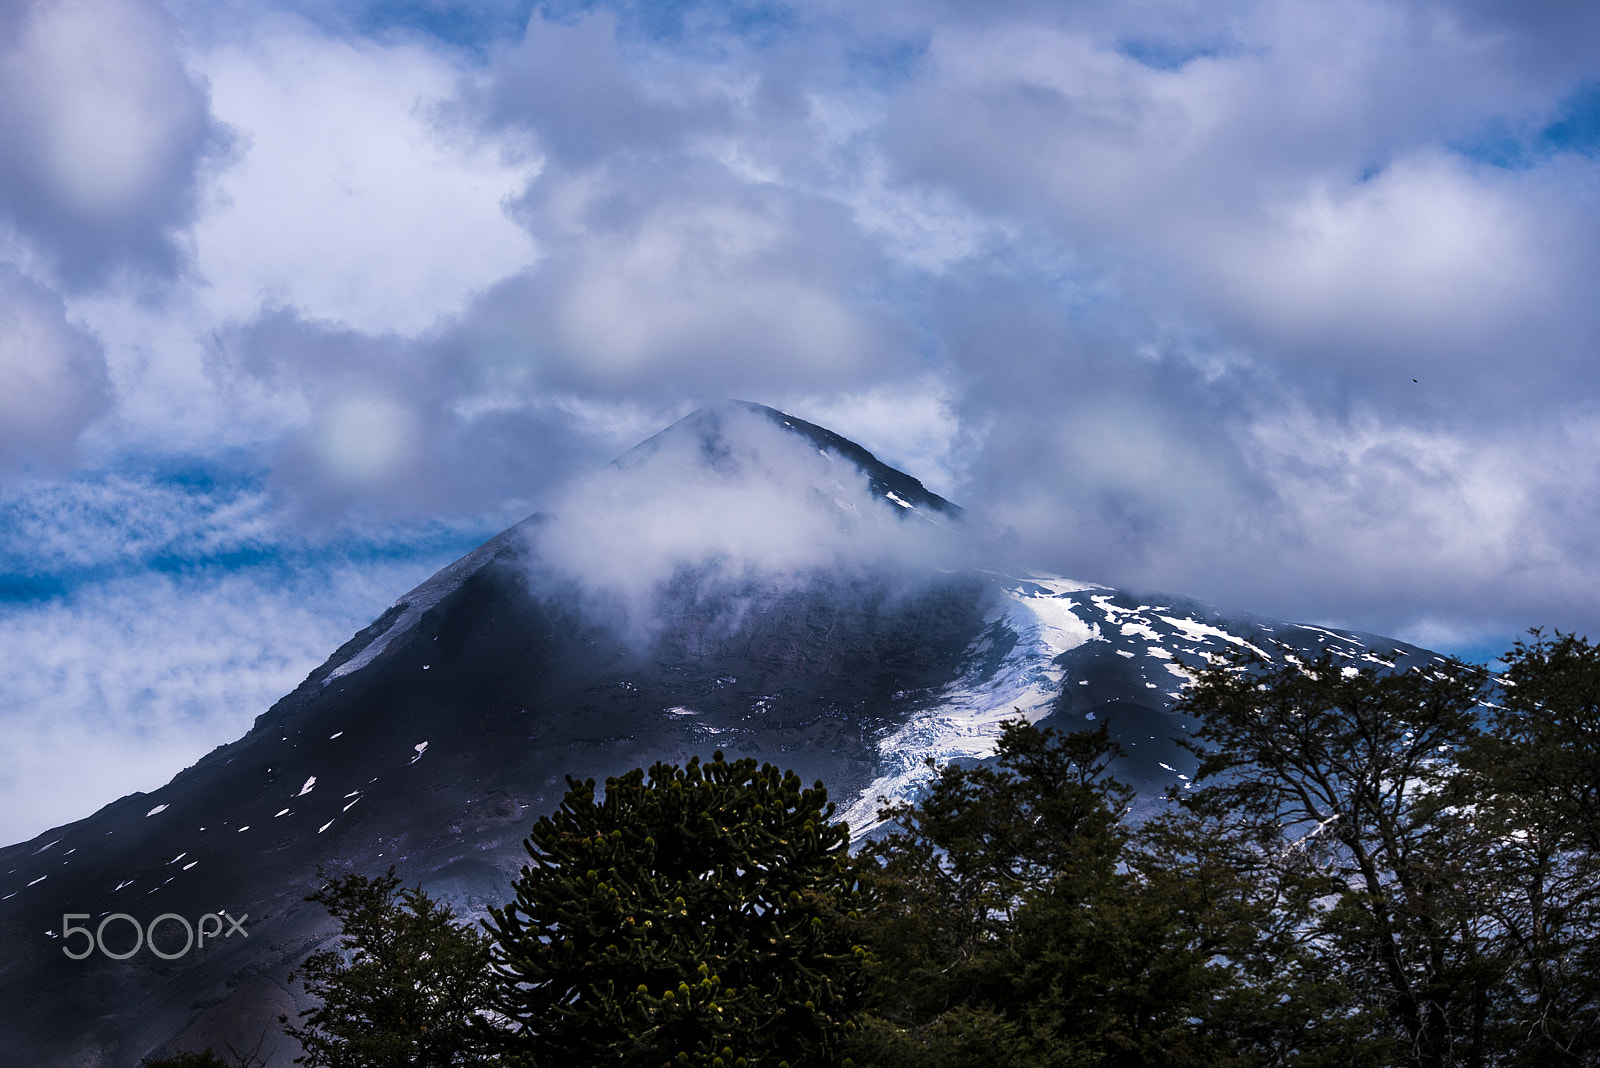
{"points": [[53, 380]]}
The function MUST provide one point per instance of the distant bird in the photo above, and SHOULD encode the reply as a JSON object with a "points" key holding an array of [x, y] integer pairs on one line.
{"points": [[1413, 380]]}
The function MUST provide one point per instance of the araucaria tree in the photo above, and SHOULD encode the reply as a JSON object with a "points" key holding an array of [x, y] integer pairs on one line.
{"points": [[697, 916]]}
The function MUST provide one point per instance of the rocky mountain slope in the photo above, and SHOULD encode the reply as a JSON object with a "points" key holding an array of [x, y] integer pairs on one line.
{"points": [[744, 580]]}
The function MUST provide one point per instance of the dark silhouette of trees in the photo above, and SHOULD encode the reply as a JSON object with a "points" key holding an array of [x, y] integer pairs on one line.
{"points": [[1019, 919], [1349, 766], [210, 1058], [700, 916], [1376, 867], [1440, 825], [1529, 790], [406, 987]]}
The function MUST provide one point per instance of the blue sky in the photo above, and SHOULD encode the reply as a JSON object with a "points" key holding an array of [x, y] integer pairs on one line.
{"points": [[1288, 305]]}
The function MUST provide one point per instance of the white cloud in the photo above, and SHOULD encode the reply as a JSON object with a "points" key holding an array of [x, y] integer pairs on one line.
{"points": [[736, 502], [705, 282], [364, 438], [101, 129], [1148, 282], [909, 425], [1363, 522], [118, 687], [1295, 187], [351, 201], [52, 376], [117, 522]]}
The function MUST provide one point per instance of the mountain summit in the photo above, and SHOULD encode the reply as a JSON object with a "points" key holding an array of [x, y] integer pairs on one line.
{"points": [[720, 437], [744, 581]]}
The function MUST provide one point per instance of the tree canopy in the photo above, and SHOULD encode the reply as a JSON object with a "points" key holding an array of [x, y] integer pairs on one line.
{"points": [[1375, 867], [407, 987], [1021, 919], [697, 916]]}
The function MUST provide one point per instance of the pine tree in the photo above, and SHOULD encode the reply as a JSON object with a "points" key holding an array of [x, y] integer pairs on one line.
{"points": [[406, 987], [695, 917]]}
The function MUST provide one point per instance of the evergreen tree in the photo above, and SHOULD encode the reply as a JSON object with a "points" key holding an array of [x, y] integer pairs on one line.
{"points": [[695, 917], [406, 987], [1544, 742], [948, 881], [1238, 907]]}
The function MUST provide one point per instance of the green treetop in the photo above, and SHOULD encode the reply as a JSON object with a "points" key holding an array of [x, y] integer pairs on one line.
{"points": [[694, 917], [408, 988]]}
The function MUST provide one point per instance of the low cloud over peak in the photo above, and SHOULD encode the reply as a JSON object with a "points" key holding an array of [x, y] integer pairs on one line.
{"points": [[735, 499]]}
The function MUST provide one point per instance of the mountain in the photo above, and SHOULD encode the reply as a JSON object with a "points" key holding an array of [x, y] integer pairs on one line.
{"points": [[744, 580]]}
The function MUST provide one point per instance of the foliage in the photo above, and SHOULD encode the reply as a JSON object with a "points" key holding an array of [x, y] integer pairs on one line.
{"points": [[208, 1058], [949, 881], [1019, 916], [1545, 744], [1441, 826], [237, 1057], [697, 917], [414, 984], [1375, 868], [1532, 786], [1349, 766]]}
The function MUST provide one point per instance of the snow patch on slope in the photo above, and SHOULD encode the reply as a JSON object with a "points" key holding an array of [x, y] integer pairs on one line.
{"points": [[426, 596], [1009, 671]]}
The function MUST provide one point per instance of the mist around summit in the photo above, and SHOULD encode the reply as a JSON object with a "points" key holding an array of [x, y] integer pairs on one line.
{"points": [[730, 509]]}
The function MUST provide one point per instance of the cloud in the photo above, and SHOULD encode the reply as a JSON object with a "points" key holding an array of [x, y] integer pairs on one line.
{"points": [[1423, 525], [910, 425], [109, 524], [53, 379], [102, 130], [667, 264], [664, 277], [394, 426], [1295, 191], [1075, 267], [345, 202], [568, 85], [122, 684], [680, 285], [1145, 284], [148, 619], [727, 504], [350, 200]]}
